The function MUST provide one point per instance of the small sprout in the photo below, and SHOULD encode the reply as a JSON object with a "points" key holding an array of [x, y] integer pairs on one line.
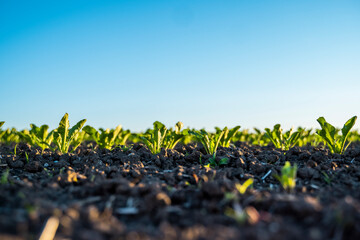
{"points": [[63, 136], [328, 132], [288, 176], [161, 137], [243, 187], [103, 138], [15, 149], [209, 141], [326, 177], [280, 140], [5, 177], [27, 157], [248, 215], [38, 136], [228, 135], [214, 163]]}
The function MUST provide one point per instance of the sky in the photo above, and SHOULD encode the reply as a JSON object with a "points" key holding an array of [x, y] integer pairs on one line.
{"points": [[203, 62]]}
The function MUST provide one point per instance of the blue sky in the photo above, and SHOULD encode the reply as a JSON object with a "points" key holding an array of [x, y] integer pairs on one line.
{"points": [[205, 63]]}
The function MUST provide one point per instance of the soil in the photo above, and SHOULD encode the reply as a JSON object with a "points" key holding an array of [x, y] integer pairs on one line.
{"points": [[128, 193]]}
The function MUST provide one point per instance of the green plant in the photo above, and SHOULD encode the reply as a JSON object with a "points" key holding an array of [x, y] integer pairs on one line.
{"points": [[9, 136], [122, 137], [38, 136], [15, 149], [5, 177], [326, 177], [27, 157], [63, 136], [173, 137], [280, 140], [214, 163], [227, 136], [1, 132], [209, 141], [161, 137], [104, 138], [287, 178], [243, 187], [328, 132]]}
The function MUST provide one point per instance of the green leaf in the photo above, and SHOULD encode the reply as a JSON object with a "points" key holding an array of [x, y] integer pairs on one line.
{"points": [[75, 129], [243, 187], [90, 130], [224, 161], [345, 132]]}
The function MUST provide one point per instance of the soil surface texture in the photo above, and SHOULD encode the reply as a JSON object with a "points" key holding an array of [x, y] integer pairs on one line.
{"points": [[129, 193]]}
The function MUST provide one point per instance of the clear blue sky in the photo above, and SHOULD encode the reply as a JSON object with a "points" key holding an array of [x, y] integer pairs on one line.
{"points": [[205, 63]]}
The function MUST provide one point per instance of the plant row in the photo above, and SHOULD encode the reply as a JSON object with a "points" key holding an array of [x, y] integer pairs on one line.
{"points": [[66, 139]]}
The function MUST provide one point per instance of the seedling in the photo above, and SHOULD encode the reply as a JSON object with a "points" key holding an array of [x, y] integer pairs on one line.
{"points": [[38, 136], [161, 137], [213, 163], [209, 141], [63, 136], [122, 137], [104, 138], [9, 135], [15, 149], [27, 157], [288, 176], [335, 143], [258, 138], [248, 215], [280, 140], [1, 132], [243, 187], [5, 176], [326, 177], [174, 137], [227, 136]]}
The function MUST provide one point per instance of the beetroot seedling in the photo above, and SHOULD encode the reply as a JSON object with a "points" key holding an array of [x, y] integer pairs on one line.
{"points": [[335, 143], [280, 140], [227, 136], [161, 137], [104, 138], [63, 136], [287, 178], [209, 141]]}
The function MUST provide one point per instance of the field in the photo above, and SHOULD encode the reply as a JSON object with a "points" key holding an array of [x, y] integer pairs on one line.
{"points": [[82, 183]]}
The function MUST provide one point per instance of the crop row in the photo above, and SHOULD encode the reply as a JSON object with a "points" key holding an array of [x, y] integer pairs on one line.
{"points": [[65, 138]]}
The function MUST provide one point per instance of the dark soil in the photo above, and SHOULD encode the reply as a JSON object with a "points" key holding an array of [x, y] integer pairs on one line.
{"points": [[132, 194]]}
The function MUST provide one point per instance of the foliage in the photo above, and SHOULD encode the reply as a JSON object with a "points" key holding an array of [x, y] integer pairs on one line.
{"points": [[243, 187], [288, 176], [104, 138], [160, 137], [227, 136], [63, 136], [328, 133], [214, 163], [122, 137], [38, 136], [280, 140], [5, 177], [10, 135], [209, 141]]}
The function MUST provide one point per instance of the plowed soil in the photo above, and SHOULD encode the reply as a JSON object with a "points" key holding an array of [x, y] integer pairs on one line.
{"points": [[128, 193]]}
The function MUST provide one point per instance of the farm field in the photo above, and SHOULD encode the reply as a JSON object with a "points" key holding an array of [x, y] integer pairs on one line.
{"points": [[76, 182]]}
